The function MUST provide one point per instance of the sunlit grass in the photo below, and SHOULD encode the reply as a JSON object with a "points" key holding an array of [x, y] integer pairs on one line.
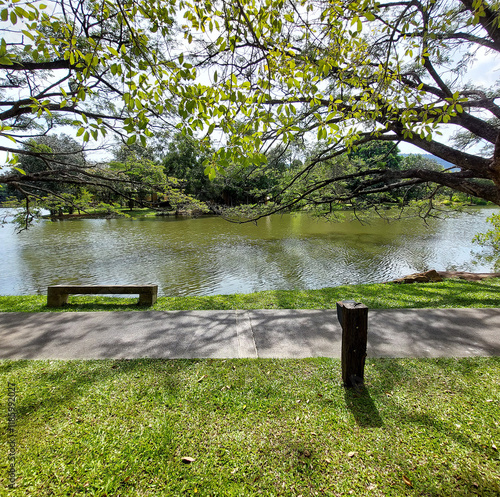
{"points": [[449, 293], [254, 427], [257, 427]]}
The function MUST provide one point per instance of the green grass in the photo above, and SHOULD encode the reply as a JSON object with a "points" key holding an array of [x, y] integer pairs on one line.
{"points": [[257, 427], [254, 427], [449, 293]]}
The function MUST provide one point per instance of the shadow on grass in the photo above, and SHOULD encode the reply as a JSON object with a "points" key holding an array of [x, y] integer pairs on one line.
{"points": [[86, 304], [69, 380], [106, 306], [362, 407], [72, 384]]}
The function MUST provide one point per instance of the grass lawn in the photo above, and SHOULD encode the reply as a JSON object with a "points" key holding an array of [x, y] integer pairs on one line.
{"points": [[257, 427], [449, 293], [253, 427]]}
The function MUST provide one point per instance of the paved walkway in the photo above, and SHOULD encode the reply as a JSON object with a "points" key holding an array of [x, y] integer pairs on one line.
{"points": [[259, 333]]}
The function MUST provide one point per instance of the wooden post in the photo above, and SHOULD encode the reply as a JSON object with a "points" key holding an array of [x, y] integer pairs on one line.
{"points": [[353, 317]]}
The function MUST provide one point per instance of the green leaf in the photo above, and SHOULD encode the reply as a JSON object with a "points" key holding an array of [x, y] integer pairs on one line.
{"points": [[28, 34]]}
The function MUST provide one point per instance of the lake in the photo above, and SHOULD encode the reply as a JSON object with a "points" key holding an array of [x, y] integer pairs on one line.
{"points": [[209, 256]]}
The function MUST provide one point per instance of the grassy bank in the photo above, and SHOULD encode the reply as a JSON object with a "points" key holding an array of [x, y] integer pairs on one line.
{"points": [[253, 427], [257, 427], [449, 293]]}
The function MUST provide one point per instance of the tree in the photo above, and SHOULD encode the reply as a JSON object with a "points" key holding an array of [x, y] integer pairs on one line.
{"points": [[378, 153], [95, 65], [46, 154], [145, 182], [256, 74], [351, 73], [184, 159]]}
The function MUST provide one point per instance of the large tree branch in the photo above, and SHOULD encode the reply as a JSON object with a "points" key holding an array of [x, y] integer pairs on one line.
{"points": [[37, 66], [460, 181], [18, 110], [477, 40], [490, 20], [478, 165]]}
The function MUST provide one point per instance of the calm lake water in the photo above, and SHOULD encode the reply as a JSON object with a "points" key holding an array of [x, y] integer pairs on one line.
{"points": [[209, 256]]}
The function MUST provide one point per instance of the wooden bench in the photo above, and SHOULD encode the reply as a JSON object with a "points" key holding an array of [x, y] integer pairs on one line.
{"points": [[57, 295]]}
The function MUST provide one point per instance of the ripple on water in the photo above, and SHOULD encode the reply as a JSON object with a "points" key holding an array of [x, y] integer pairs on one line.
{"points": [[208, 256]]}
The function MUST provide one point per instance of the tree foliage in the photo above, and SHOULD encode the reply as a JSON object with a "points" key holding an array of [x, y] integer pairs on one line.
{"points": [[257, 74], [349, 73], [184, 158], [94, 65]]}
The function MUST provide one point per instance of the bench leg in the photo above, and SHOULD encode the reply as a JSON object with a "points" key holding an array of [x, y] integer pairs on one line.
{"points": [[148, 298], [55, 298]]}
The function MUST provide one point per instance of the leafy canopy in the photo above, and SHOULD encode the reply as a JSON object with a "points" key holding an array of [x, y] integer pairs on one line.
{"points": [[256, 74]]}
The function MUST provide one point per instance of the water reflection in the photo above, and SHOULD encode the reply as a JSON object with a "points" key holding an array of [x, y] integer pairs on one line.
{"points": [[208, 256]]}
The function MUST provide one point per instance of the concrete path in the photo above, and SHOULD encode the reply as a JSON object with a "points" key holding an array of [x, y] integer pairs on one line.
{"points": [[259, 333]]}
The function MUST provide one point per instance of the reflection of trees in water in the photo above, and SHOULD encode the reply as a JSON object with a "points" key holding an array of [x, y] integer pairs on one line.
{"points": [[490, 242], [488, 256]]}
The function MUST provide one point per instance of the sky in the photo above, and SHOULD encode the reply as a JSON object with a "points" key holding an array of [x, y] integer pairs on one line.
{"points": [[485, 72]]}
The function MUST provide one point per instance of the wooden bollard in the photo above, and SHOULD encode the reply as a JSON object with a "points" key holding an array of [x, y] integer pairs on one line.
{"points": [[353, 317]]}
